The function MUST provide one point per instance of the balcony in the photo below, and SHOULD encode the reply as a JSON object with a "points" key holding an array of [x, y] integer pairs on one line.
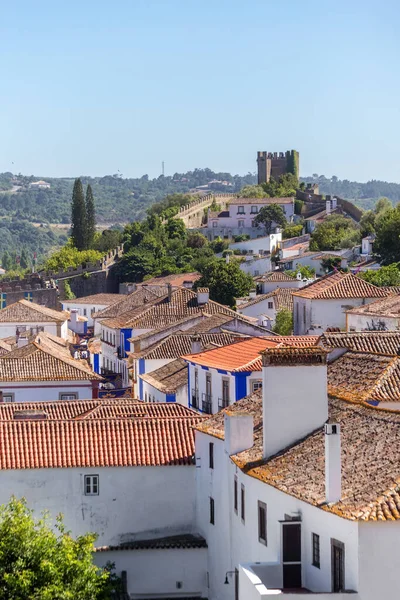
{"points": [[195, 398], [260, 581], [223, 403], [206, 404]]}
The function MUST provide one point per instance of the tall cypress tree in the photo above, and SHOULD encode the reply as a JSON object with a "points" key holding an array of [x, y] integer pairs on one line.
{"points": [[90, 218], [78, 216]]}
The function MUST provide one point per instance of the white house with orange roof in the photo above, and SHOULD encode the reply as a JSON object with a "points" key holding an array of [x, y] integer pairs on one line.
{"points": [[220, 377], [295, 505], [324, 303], [28, 317], [88, 306], [270, 281]]}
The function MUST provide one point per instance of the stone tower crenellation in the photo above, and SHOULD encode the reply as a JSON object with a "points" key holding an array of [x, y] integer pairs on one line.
{"points": [[274, 164]]}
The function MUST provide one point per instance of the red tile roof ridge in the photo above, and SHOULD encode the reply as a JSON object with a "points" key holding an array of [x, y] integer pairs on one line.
{"points": [[320, 288]]}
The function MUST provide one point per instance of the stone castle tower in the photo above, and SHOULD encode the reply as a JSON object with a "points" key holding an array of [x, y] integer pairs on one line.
{"points": [[275, 164]]}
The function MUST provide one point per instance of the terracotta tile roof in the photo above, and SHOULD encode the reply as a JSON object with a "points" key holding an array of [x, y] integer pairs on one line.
{"points": [[210, 322], [44, 360], [24, 311], [164, 311], [234, 357], [101, 299], [177, 344], [289, 259], [73, 409], [360, 377], [168, 378], [340, 285], [277, 276], [384, 342], [370, 465], [176, 279], [388, 307], [282, 298], [186, 541], [30, 444], [391, 289], [265, 201], [137, 299], [297, 341]]}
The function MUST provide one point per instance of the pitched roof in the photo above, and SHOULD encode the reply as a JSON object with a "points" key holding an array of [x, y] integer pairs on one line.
{"points": [[290, 259], [370, 440], [176, 279], [165, 310], [261, 201], [388, 307], [24, 311], [102, 299], [44, 360], [384, 342], [137, 299], [186, 541], [278, 276], [282, 298], [340, 285], [168, 378], [177, 344], [360, 377]]}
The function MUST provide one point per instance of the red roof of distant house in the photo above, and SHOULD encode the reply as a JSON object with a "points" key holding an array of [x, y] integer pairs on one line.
{"points": [[340, 285]]}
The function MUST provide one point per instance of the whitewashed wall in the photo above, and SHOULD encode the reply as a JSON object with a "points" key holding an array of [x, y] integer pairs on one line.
{"points": [[84, 310], [129, 505], [266, 243], [364, 323], [41, 391], [270, 286], [232, 542], [157, 572], [260, 308], [10, 329], [256, 266]]}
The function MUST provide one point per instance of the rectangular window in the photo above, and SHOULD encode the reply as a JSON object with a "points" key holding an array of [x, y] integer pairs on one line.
{"points": [[212, 511], [69, 396], [215, 223], [270, 305], [235, 494], [315, 551], [241, 223], [262, 523], [254, 209], [91, 485], [241, 210], [256, 385], [8, 397], [211, 455], [84, 312], [242, 503]]}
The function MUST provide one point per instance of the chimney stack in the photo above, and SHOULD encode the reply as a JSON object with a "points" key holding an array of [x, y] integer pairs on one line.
{"points": [[169, 288], [203, 296], [253, 294], [196, 344], [295, 397], [239, 431], [74, 317], [333, 463]]}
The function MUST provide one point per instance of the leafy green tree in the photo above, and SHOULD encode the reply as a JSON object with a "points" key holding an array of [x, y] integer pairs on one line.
{"points": [[385, 276], [90, 218], [387, 242], [24, 261], [252, 191], [284, 187], [41, 563], [6, 261], [219, 245], [333, 232], [136, 264], [284, 322], [196, 240], [175, 228], [291, 231], [382, 205], [69, 256], [331, 263], [270, 215], [225, 281], [367, 223], [78, 217], [107, 240]]}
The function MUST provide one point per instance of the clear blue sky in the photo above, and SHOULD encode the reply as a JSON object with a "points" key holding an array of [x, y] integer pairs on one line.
{"points": [[91, 87]]}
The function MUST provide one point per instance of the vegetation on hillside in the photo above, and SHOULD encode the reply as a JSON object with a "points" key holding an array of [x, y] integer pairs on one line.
{"points": [[385, 276], [334, 233], [365, 195]]}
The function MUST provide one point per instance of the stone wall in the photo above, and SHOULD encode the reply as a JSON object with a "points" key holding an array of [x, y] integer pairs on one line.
{"points": [[193, 214], [87, 284]]}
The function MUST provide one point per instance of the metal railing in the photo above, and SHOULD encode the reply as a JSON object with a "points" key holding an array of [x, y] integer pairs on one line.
{"points": [[195, 398], [223, 403], [206, 404]]}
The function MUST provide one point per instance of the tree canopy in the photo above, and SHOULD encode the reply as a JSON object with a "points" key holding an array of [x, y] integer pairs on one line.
{"points": [[269, 216], [225, 281], [334, 233], [385, 276], [284, 322], [38, 562], [387, 242]]}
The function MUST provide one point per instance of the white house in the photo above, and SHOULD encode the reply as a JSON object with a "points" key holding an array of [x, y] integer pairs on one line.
{"points": [[26, 316], [381, 315], [367, 244], [239, 215], [292, 504], [254, 265], [166, 384], [266, 306], [45, 370], [270, 281], [122, 469], [260, 245], [41, 185], [325, 302], [218, 378], [89, 305]]}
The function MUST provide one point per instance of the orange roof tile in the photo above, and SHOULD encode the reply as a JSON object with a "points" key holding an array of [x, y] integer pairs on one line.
{"points": [[340, 285]]}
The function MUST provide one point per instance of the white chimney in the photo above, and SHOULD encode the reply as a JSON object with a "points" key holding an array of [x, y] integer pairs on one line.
{"points": [[22, 341], [227, 259], [299, 276], [328, 207], [333, 463], [74, 317], [295, 397], [203, 296], [196, 344], [253, 294], [239, 432]]}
